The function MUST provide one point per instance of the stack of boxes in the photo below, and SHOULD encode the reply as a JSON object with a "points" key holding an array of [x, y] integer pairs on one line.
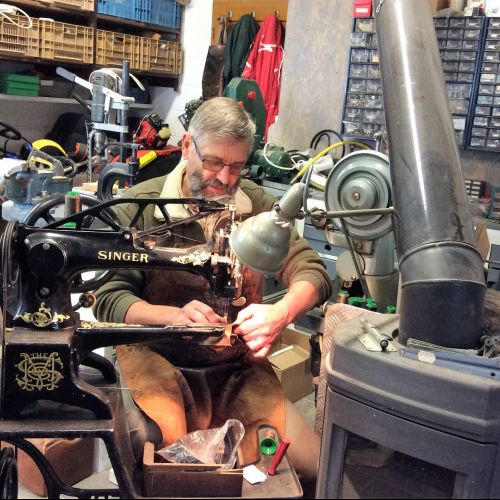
{"points": [[19, 84]]}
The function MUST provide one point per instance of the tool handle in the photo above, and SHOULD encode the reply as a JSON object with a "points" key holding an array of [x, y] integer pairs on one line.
{"points": [[278, 457]]}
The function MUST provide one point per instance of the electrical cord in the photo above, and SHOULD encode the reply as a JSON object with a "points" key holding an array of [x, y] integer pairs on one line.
{"points": [[6, 9], [322, 153], [294, 153], [325, 133], [279, 167]]}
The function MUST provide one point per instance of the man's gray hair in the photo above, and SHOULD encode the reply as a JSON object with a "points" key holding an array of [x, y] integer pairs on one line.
{"points": [[221, 118]]}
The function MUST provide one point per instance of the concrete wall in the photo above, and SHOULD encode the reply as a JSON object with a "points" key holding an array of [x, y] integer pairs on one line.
{"points": [[314, 70]]}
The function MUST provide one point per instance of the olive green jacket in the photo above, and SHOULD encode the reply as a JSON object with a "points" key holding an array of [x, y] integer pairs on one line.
{"points": [[127, 286]]}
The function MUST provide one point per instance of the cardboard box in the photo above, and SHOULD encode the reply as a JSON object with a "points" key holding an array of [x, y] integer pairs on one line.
{"points": [[291, 336], [71, 460], [291, 365], [165, 479], [436, 5], [482, 240]]}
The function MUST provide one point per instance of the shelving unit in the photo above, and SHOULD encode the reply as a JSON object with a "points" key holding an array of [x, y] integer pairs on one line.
{"points": [[485, 130], [470, 53], [459, 40], [363, 107], [56, 101], [74, 38]]}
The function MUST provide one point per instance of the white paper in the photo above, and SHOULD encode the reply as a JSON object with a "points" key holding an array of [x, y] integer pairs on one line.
{"points": [[253, 475]]}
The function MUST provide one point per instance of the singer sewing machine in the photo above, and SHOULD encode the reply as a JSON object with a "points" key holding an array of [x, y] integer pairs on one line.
{"points": [[47, 389]]}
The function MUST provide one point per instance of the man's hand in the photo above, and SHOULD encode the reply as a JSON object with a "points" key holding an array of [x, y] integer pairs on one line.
{"points": [[144, 313], [196, 312], [260, 324]]}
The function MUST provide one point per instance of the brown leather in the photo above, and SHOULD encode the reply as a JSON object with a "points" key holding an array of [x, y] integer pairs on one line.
{"points": [[71, 459], [182, 400], [177, 288], [212, 82], [185, 386]]}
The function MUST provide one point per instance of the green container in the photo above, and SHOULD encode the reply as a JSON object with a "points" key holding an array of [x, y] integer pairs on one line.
{"points": [[25, 85], [12, 89], [22, 79]]}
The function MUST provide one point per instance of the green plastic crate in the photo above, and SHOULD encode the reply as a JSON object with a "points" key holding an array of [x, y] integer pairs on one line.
{"points": [[19, 89], [19, 79]]}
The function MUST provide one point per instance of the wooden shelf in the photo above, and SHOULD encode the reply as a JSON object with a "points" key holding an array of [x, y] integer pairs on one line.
{"points": [[130, 23], [57, 100], [91, 16], [38, 8], [28, 5], [153, 78]]}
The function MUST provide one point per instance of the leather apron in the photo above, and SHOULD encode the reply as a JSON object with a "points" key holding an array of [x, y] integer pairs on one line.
{"points": [[185, 386]]}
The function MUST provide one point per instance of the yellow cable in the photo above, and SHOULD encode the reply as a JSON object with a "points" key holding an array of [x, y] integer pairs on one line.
{"points": [[322, 153]]}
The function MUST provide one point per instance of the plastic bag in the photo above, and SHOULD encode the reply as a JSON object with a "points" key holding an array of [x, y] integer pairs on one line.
{"points": [[209, 446]]}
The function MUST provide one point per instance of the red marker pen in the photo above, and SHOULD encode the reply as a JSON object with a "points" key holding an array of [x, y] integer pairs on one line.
{"points": [[279, 456]]}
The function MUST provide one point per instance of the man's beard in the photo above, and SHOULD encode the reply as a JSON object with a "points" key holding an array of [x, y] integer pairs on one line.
{"points": [[197, 186]]}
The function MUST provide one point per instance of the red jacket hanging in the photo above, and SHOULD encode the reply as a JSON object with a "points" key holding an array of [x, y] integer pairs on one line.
{"points": [[264, 65]]}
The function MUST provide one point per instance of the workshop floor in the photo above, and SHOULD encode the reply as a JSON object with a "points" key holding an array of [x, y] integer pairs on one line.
{"points": [[101, 479]]}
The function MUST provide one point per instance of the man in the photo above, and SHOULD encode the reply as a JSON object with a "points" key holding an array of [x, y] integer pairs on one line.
{"points": [[212, 385]]}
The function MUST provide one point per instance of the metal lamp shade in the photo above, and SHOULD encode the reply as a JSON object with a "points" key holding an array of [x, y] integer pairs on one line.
{"points": [[262, 242]]}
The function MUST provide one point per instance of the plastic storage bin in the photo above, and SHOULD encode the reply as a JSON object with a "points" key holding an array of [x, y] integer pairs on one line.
{"points": [[165, 13], [16, 41], [117, 8], [66, 42]]}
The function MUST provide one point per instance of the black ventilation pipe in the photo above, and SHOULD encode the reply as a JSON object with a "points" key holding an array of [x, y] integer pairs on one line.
{"points": [[442, 294]]}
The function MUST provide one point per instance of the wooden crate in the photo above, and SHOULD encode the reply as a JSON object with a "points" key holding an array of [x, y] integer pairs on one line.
{"points": [[113, 48], [164, 56], [75, 4], [66, 42], [16, 41], [188, 480]]}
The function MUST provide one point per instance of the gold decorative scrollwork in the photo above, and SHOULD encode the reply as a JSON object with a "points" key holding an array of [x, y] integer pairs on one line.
{"points": [[101, 324], [43, 317], [39, 371]]}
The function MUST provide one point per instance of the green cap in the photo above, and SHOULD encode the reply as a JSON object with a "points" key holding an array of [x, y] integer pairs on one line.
{"points": [[390, 310], [268, 446], [356, 301]]}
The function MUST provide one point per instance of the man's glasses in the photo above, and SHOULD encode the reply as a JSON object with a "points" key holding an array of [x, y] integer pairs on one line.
{"points": [[216, 164]]}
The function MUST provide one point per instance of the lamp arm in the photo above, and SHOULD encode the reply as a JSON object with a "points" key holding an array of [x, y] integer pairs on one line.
{"points": [[338, 214]]}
